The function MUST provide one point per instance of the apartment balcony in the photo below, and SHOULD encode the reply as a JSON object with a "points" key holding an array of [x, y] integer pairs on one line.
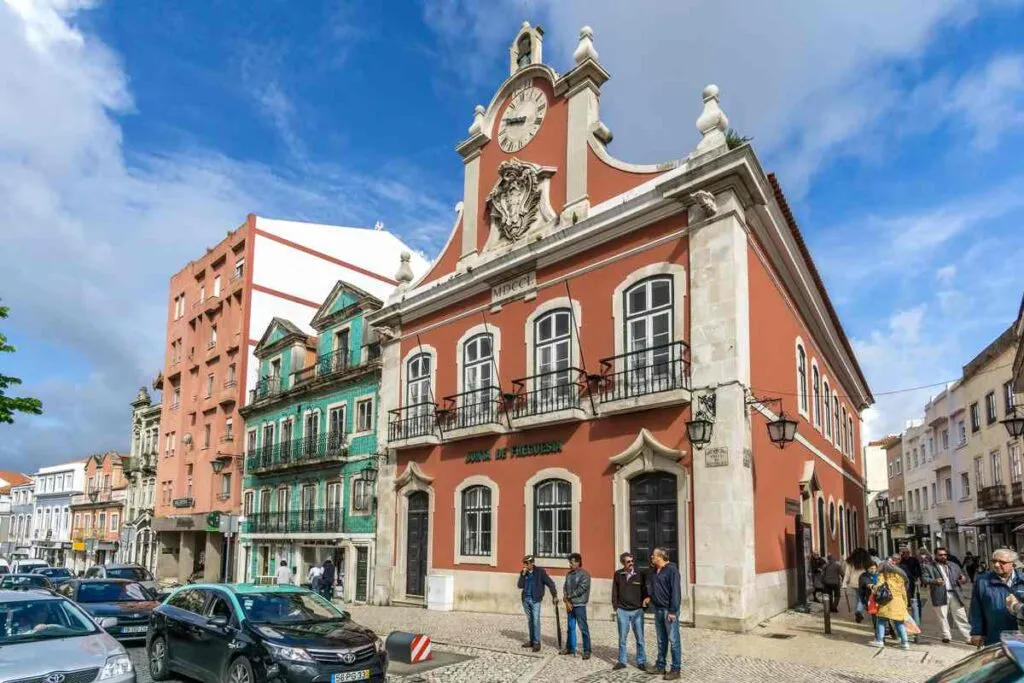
{"points": [[310, 451], [234, 283], [549, 398], [897, 517], [479, 412], [228, 392], [645, 379], [412, 426], [309, 521], [1017, 493], [99, 497], [993, 497], [326, 365], [266, 388]]}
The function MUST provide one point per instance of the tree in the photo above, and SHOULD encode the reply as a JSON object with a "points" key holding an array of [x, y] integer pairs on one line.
{"points": [[10, 405]]}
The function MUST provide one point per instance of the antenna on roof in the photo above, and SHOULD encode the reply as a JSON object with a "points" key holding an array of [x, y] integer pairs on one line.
{"points": [[379, 225]]}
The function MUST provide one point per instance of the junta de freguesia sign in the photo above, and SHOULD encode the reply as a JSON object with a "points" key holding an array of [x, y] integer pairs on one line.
{"points": [[521, 451]]}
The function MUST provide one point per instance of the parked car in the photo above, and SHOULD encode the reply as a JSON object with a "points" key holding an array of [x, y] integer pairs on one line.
{"points": [[24, 581], [49, 638], [26, 565], [999, 663], [131, 572], [56, 575], [125, 606], [222, 632]]}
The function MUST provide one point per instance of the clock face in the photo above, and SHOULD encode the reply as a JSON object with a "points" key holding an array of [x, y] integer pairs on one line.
{"points": [[522, 119]]}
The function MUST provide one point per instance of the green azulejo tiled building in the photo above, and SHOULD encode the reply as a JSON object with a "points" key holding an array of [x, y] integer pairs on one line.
{"points": [[311, 446]]}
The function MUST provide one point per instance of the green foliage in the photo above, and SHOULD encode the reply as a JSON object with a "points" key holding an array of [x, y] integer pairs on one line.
{"points": [[734, 139], [10, 405]]}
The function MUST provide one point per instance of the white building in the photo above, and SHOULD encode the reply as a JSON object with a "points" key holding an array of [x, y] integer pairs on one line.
{"points": [[23, 504], [919, 484], [51, 533], [876, 469]]}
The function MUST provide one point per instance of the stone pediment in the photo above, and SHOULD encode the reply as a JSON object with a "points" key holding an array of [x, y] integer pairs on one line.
{"points": [[411, 473], [645, 448]]}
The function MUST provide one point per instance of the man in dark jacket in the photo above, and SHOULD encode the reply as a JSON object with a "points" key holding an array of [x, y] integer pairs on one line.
{"points": [[327, 580], [532, 580], [576, 594], [666, 594], [912, 567], [629, 598], [944, 579], [989, 613]]}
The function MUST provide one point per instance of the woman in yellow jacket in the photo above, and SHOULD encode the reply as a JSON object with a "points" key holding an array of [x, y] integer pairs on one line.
{"points": [[895, 611]]}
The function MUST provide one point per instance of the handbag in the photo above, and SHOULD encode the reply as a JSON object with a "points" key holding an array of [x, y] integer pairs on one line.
{"points": [[872, 605], [883, 595]]}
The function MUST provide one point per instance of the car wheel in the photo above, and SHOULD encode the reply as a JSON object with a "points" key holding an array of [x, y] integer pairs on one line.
{"points": [[240, 671], [158, 670]]}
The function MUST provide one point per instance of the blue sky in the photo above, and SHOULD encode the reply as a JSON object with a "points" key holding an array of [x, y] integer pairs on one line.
{"points": [[134, 134]]}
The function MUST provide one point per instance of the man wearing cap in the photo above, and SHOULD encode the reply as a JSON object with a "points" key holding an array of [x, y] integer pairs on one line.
{"points": [[532, 580]]}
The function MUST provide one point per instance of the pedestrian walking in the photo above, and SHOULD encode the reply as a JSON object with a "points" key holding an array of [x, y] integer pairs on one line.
{"points": [[817, 564], [629, 599], [890, 594], [532, 581], [576, 593], [283, 575], [944, 579], [856, 564], [315, 578], [911, 566], [865, 584], [989, 615], [666, 596], [327, 579], [832, 579], [970, 565]]}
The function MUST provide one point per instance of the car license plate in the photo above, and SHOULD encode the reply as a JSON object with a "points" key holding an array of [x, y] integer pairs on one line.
{"points": [[134, 629], [363, 675]]}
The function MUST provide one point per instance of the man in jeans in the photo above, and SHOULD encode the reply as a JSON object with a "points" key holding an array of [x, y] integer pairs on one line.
{"points": [[629, 598], [576, 594], [666, 596], [532, 580]]}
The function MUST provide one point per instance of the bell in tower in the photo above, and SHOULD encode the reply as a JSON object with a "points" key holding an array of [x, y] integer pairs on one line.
{"points": [[526, 48]]}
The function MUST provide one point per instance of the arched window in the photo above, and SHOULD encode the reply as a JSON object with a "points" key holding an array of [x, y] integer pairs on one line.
{"points": [[648, 307], [851, 528], [837, 428], [552, 348], [801, 377], [842, 533], [552, 502], [523, 47], [828, 410], [832, 518], [476, 521], [418, 395], [822, 543], [816, 393]]}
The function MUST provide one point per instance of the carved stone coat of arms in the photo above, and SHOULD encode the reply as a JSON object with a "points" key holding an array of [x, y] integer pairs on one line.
{"points": [[515, 198]]}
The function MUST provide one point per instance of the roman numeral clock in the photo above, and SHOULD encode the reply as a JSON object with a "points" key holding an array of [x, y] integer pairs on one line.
{"points": [[522, 119]]}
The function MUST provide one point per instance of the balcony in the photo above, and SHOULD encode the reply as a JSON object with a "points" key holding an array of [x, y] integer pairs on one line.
{"points": [[309, 521], [227, 438], [326, 365], [297, 453], [414, 425], [99, 497], [265, 388], [1017, 493], [473, 413], [645, 379], [992, 497], [549, 398], [212, 303], [897, 517]]}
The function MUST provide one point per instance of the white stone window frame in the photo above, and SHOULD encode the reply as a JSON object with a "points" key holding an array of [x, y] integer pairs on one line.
{"points": [[356, 400], [430, 351], [575, 501], [343, 404], [841, 529], [305, 414], [491, 559], [801, 391], [816, 389], [837, 434], [678, 274], [576, 320], [460, 353], [334, 332], [352, 510], [412, 480]]}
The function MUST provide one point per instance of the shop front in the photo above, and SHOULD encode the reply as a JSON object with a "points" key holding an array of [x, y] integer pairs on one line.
{"points": [[191, 545]]}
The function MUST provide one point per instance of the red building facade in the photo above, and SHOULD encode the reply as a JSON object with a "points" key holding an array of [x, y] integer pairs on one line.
{"points": [[540, 377]]}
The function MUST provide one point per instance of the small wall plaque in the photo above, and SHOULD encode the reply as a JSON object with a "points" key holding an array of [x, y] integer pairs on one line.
{"points": [[748, 457], [716, 457]]}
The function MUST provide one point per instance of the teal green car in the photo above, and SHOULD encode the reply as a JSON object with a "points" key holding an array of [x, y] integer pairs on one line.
{"points": [[242, 633]]}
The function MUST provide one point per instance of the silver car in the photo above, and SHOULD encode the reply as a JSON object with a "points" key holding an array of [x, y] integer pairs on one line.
{"points": [[45, 637]]}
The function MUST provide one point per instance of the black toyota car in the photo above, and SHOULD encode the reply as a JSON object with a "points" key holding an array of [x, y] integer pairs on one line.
{"points": [[243, 634], [123, 608]]}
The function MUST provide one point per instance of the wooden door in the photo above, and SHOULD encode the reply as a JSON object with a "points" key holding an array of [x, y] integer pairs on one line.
{"points": [[653, 516], [417, 540]]}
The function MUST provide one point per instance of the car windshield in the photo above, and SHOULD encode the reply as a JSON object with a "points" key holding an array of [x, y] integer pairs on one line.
{"points": [[54, 572], [20, 580], [990, 664], [28, 620], [101, 591], [131, 573], [288, 608]]}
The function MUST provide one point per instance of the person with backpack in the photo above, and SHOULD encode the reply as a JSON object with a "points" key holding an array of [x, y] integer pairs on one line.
{"points": [[890, 594]]}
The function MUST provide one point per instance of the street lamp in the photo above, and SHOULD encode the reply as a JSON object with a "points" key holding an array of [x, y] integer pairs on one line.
{"points": [[1014, 424], [370, 471], [881, 504], [781, 430], [220, 462], [700, 428], [93, 495]]}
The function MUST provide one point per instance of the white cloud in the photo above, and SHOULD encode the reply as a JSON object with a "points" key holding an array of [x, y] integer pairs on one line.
{"points": [[991, 100], [945, 274]]}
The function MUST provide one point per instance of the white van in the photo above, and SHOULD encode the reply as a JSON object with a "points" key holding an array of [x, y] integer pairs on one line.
{"points": [[25, 566]]}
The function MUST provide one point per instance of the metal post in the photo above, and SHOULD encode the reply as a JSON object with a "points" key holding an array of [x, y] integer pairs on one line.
{"points": [[828, 614]]}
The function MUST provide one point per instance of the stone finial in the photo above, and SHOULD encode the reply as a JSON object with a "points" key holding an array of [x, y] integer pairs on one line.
{"points": [[478, 120], [585, 49], [404, 274], [142, 396], [712, 122]]}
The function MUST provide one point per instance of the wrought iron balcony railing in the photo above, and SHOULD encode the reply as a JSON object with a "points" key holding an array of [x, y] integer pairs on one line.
{"points": [[645, 371], [412, 421], [308, 521], [265, 388], [311, 450], [992, 497], [897, 517], [325, 365], [472, 409], [548, 392]]}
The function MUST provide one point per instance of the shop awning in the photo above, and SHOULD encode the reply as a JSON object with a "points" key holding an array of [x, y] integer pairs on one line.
{"points": [[1000, 517]]}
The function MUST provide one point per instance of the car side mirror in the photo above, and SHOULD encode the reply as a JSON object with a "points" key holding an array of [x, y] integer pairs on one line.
{"points": [[218, 621]]}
